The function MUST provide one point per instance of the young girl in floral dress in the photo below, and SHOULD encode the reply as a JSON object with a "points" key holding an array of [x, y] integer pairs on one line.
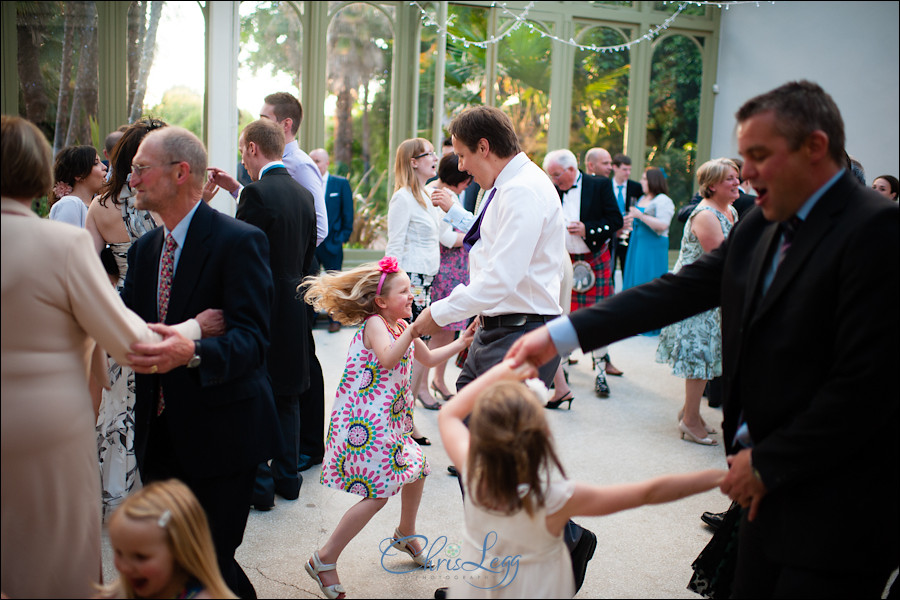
{"points": [[369, 451]]}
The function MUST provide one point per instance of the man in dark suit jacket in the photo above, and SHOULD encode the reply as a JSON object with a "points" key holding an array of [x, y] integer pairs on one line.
{"points": [[626, 192], [286, 213], [810, 330], [339, 204], [210, 419], [592, 217]]}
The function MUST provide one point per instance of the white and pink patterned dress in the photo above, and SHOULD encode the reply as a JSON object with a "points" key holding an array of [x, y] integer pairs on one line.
{"points": [[369, 451]]}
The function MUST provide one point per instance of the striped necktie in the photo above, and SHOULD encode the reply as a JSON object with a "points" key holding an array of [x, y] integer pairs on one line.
{"points": [[166, 272]]}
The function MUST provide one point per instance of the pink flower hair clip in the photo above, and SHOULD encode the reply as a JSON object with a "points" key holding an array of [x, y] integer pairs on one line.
{"points": [[61, 188], [386, 265]]}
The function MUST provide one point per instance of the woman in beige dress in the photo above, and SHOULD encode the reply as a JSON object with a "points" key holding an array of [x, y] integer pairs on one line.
{"points": [[56, 300]]}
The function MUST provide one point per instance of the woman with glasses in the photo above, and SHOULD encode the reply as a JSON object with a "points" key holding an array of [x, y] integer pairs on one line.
{"points": [[114, 222], [413, 237]]}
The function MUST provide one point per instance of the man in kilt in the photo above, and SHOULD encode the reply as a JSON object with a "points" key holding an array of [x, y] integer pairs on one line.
{"points": [[592, 217]]}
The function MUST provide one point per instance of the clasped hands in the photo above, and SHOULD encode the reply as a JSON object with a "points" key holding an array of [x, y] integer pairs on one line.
{"points": [[174, 350]]}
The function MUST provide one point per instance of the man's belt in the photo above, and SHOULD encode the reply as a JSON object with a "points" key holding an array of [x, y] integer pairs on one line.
{"points": [[513, 320]]}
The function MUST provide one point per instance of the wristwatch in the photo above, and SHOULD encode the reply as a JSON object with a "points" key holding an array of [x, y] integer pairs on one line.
{"points": [[195, 359]]}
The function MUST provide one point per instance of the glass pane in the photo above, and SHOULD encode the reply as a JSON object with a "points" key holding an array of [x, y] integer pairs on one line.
{"points": [[360, 47], [464, 75], [600, 94], [672, 121], [58, 70], [170, 80], [427, 66], [270, 59], [523, 84]]}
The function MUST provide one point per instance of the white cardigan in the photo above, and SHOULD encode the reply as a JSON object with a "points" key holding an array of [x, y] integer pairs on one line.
{"points": [[413, 233]]}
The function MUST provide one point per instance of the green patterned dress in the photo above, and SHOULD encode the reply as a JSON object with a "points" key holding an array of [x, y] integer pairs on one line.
{"points": [[693, 347]]}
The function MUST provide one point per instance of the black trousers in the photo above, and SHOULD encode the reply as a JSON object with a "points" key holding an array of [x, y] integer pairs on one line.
{"points": [[283, 472], [312, 404], [758, 576], [225, 499]]}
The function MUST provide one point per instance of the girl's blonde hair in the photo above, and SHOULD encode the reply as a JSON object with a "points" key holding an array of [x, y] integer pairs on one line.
{"points": [[509, 444], [171, 505], [347, 296], [713, 172], [404, 174]]}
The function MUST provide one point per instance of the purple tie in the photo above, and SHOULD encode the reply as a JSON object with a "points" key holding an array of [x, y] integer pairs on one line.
{"points": [[162, 297], [788, 231], [474, 233]]}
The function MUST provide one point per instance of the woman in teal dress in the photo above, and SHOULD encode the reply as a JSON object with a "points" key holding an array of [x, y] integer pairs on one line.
{"points": [[693, 347], [648, 246]]}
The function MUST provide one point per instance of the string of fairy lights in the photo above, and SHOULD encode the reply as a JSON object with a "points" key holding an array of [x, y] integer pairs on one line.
{"points": [[521, 19]]}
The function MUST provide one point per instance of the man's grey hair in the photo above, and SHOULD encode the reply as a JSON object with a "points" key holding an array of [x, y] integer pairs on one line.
{"points": [[179, 144], [562, 157]]}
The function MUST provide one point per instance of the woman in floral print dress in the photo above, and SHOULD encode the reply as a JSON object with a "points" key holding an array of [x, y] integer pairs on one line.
{"points": [[369, 451]]}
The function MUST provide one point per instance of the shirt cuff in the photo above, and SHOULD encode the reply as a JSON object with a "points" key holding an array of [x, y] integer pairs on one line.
{"points": [[189, 329], [563, 334]]}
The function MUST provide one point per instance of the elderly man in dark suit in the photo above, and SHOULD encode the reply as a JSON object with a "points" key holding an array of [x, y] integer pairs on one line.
{"points": [[210, 419], [809, 297], [592, 218], [339, 205]]}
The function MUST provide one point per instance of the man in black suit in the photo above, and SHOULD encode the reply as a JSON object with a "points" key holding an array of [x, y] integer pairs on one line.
{"points": [[809, 297], [592, 218], [626, 192], [285, 211], [210, 419], [339, 205]]}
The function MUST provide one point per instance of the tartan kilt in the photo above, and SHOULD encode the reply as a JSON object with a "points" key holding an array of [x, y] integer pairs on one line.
{"points": [[601, 263]]}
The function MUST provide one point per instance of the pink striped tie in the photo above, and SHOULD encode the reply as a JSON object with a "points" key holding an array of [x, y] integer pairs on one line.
{"points": [[162, 298]]}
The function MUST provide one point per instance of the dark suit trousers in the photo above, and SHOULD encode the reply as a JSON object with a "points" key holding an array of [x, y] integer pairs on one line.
{"points": [[619, 254], [283, 472], [758, 576], [225, 499], [312, 403], [491, 345]]}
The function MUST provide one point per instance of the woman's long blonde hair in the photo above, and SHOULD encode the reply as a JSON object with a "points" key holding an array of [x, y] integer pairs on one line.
{"points": [[173, 506], [404, 174], [348, 296], [510, 444]]}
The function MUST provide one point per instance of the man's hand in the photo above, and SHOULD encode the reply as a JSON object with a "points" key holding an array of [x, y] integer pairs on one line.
{"points": [[741, 484], [425, 324], [173, 351], [223, 179], [209, 190], [442, 199], [535, 347], [212, 322], [576, 228]]}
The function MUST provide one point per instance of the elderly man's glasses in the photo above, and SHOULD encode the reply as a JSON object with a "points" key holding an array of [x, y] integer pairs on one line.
{"points": [[138, 170]]}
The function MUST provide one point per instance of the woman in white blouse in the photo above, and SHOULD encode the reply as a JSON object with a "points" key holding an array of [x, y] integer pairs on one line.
{"points": [[79, 175], [414, 236]]}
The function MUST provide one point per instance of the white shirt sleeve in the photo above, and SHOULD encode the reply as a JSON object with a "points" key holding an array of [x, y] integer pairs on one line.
{"points": [[309, 177], [398, 224]]}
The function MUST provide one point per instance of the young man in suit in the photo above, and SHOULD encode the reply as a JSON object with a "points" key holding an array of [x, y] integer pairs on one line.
{"points": [[626, 192], [339, 204], [285, 211], [591, 217], [204, 411], [809, 297]]}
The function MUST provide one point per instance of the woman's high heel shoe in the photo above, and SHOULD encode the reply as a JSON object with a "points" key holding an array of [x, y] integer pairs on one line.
{"points": [[315, 566], [438, 392], [705, 426], [556, 403], [402, 543], [432, 406], [687, 435]]}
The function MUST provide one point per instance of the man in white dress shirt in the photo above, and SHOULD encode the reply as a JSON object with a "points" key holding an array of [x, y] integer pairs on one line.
{"points": [[517, 245]]}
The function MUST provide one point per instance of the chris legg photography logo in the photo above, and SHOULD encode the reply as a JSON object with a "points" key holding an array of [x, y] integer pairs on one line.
{"points": [[503, 567]]}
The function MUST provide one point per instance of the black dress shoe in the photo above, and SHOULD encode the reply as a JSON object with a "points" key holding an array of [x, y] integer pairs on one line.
{"points": [[581, 553], [308, 462], [288, 491], [601, 388], [262, 507], [712, 519], [441, 593], [452, 470]]}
